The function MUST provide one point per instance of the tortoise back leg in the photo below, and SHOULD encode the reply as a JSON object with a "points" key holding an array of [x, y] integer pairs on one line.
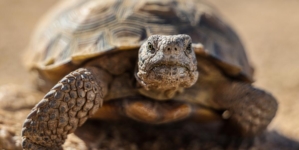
{"points": [[251, 109], [67, 106]]}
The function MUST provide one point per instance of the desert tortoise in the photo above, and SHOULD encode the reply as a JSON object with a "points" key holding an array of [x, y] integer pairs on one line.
{"points": [[139, 59]]}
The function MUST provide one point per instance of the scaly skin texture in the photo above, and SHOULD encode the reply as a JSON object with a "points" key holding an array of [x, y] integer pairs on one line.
{"points": [[250, 109], [166, 65], [67, 106]]}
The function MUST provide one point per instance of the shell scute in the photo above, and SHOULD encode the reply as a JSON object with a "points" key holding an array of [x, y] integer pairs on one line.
{"points": [[81, 30]]}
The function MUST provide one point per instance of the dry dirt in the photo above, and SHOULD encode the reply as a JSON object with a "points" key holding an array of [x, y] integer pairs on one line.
{"points": [[268, 28]]}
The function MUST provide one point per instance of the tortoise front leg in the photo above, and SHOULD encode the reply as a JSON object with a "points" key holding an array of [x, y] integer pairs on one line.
{"points": [[67, 106], [251, 110]]}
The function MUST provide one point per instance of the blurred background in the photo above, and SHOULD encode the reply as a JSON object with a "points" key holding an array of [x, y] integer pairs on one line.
{"points": [[268, 28]]}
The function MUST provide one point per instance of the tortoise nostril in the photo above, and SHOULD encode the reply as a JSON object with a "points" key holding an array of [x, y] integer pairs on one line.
{"points": [[168, 49], [175, 49]]}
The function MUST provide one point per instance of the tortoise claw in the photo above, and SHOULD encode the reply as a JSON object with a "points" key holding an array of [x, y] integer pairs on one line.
{"points": [[28, 144]]}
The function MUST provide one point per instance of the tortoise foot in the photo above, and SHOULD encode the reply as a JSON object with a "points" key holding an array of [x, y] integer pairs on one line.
{"points": [[28, 144], [67, 106], [251, 110]]}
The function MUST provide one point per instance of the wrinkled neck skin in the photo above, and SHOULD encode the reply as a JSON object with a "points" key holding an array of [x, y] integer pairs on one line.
{"points": [[166, 65]]}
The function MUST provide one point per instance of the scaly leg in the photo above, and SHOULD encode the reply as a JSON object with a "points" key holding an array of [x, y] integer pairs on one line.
{"points": [[67, 106], [251, 110]]}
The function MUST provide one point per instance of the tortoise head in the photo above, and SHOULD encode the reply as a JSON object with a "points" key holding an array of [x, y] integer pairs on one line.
{"points": [[167, 63]]}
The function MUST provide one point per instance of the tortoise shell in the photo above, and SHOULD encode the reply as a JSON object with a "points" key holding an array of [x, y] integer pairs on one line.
{"points": [[77, 31]]}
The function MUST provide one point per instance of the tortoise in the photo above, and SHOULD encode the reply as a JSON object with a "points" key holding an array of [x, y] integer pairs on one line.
{"points": [[154, 62]]}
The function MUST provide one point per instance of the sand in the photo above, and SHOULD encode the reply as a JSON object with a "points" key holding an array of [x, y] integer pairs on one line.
{"points": [[268, 28]]}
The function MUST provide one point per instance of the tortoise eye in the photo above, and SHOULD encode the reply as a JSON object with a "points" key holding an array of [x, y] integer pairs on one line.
{"points": [[150, 48], [189, 48]]}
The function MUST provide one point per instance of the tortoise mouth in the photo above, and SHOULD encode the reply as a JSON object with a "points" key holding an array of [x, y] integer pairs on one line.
{"points": [[169, 65], [167, 78], [169, 72]]}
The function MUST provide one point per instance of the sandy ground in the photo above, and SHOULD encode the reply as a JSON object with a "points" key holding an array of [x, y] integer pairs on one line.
{"points": [[268, 28]]}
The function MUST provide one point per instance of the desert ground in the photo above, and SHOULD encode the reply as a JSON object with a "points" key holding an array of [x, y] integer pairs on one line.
{"points": [[268, 29]]}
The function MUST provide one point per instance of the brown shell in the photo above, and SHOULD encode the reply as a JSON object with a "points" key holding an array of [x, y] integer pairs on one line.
{"points": [[78, 30]]}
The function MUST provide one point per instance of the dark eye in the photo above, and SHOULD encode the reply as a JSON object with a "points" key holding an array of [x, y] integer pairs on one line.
{"points": [[150, 48], [189, 48]]}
